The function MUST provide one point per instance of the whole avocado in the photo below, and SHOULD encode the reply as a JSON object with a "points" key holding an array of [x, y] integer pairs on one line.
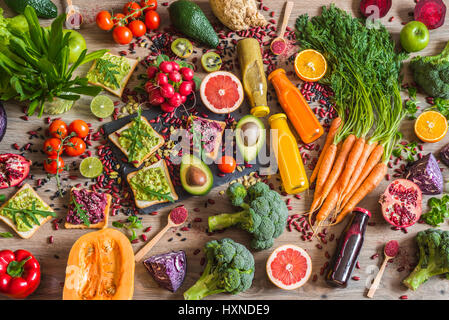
{"points": [[44, 8], [188, 18]]}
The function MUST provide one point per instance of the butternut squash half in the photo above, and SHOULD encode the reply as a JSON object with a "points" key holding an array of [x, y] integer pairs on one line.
{"points": [[100, 267]]}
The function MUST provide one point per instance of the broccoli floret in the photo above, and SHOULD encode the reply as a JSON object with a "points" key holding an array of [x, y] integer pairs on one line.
{"points": [[432, 73], [236, 193], [264, 215], [433, 245], [229, 268]]}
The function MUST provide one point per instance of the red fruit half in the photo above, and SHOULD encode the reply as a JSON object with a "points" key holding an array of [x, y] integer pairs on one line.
{"points": [[401, 203], [289, 267], [13, 169], [221, 92], [430, 12], [375, 7]]}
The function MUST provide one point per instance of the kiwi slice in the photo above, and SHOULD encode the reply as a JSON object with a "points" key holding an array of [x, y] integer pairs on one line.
{"points": [[211, 61], [182, 47]]}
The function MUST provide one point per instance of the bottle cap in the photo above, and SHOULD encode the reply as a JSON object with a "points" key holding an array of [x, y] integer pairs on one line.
{"points": [[260, 111], [362, 210], [276, 116]]}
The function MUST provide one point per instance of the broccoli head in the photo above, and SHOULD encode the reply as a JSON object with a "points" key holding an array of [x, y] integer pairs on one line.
{"points": [[433, 245], [432, 73], [229, 268], [264, 214], [236, 193]]}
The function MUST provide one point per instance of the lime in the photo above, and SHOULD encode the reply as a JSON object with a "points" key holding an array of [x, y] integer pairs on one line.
{"points": [[102, 106], [91, 167]]}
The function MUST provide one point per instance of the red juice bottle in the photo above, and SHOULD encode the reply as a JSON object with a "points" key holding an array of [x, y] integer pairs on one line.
{"points": [[348, 249]]}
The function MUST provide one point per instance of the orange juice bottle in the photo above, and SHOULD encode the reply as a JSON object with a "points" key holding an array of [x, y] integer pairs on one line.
{"points": [[293, 175], [296, 107]]}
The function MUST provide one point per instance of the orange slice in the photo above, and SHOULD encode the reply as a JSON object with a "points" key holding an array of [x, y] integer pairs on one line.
{"points": [[289, 267], [310, 65], [431, 126]]}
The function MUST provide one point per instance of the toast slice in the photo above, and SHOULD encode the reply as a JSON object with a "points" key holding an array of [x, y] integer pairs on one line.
{"points": [[26, 234], [114, 137], [212, 154], [100, 225], [119, 91], [144, 204]]}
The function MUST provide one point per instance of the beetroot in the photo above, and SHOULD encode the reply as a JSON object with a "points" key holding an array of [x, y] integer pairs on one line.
{"points": [[367, 7], [13, 169], [430, 12], [401, 203]]}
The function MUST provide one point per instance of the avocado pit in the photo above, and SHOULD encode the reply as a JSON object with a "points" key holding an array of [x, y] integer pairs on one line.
{"points": [[250, 133], [195, 176]]}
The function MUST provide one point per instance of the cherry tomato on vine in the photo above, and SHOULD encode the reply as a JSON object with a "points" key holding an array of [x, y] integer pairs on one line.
{"points": [[104, 20], [80, 128], [152, 20], [137, 28], [53, 163], [52, 146], [75, 146], [58, 129], [227, 164], [132, 8], [122, 35], [152, 5], [119, 19]]}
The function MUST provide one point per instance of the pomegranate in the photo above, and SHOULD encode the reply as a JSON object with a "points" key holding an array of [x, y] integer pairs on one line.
{"points": [[13, 169], [401, 203]]}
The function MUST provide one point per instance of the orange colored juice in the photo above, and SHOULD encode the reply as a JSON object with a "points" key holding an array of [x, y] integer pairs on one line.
{"points": [[296, 107], [291, 168]]}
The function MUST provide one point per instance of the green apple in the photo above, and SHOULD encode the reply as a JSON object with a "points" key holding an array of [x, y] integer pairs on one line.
{"points": [[414, 36], [76, 44]]}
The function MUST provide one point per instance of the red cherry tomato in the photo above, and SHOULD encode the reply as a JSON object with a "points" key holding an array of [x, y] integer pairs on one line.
{"points": [[151, 4], [58, 129], [53, 163], [227, 164], [152, 20], [138, 28], [119, 19], [75, 147], [104, 20], [80, 128], [52, 146], [122, 35], [132, 8]]}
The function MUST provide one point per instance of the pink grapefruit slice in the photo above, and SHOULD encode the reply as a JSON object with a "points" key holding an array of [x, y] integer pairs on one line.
{"points": [[221, 92], [289, 267]]}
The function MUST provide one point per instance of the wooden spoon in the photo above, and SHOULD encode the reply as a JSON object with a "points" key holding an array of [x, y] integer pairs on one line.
{"points": [[389, 254], [74, 18], [142, 252], [287, 12]]}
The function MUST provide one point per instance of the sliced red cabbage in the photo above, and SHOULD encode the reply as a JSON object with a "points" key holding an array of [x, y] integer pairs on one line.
{"points": [[168, 269], [444, 154], [426, 174]]}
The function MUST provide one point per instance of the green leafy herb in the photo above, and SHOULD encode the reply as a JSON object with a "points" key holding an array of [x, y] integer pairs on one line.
{"points": [[439, 210], [80, 212], [158, 195], [442, 105], [411, 104], [26, 214], [108, 69], [132, 223], [6, 235], [408, 148]]}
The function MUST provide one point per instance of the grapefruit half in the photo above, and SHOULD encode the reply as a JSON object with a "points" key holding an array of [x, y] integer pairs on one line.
{"points": [[221, 92], [289, 267]]}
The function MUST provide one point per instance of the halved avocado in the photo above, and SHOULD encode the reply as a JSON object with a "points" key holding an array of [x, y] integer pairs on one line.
{"points": [[250, 136], [196, 177]]}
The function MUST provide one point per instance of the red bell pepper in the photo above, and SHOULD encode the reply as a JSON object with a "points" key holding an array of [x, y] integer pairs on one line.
{"points": [[20, 273]]}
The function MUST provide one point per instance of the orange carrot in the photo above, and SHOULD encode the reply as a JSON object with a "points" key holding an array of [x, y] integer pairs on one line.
{"points": [[373, 159], [328, 205], [372, 181], [367, 149], [329, 139]]}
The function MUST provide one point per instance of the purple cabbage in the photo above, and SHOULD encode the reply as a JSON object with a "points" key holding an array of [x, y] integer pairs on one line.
{"points": [[3, 121], [426, 174], [444, 154], [168, 269]]}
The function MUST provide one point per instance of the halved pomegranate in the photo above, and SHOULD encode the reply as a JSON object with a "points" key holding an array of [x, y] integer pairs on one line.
{"points": [[13, 169], [401, 203]]}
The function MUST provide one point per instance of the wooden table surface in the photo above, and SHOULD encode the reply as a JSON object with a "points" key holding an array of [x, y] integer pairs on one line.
{"points": [[53, 257]]}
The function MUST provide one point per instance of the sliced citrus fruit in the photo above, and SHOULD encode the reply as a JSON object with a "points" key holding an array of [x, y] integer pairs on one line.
{"points": [[221, 92], [289, 267], [431, 126], [310, 65], [102, 106], [91, 167]]}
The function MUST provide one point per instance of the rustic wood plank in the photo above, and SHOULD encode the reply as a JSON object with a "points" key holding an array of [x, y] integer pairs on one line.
{"points": [[53, 257]]}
